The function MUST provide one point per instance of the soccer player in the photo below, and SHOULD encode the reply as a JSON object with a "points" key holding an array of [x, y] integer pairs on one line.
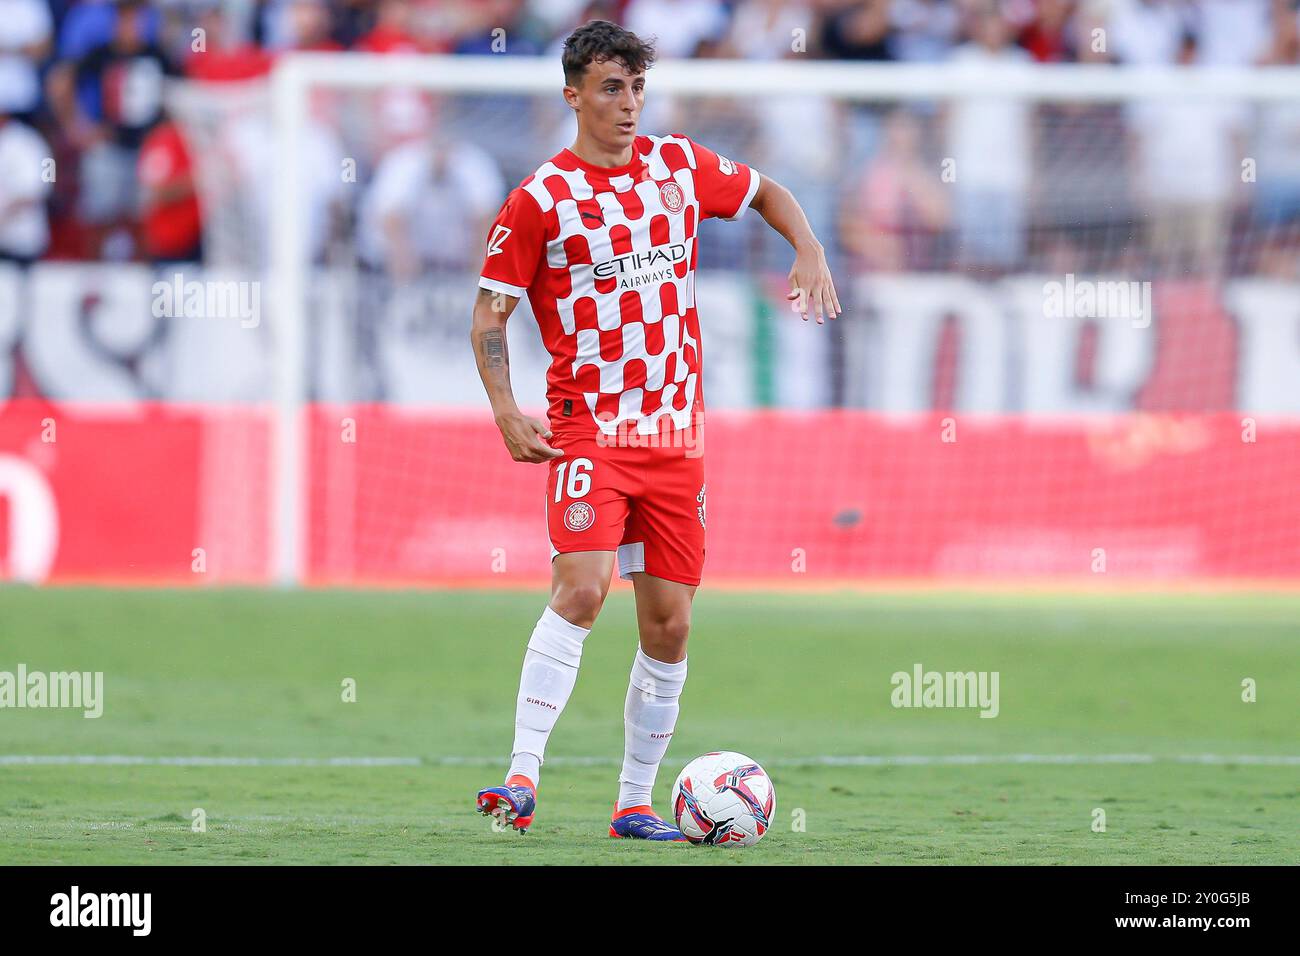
{"points": [[602, 239]]}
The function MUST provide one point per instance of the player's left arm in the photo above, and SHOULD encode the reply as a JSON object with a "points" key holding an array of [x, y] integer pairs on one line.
{"points": [[810, 277]]}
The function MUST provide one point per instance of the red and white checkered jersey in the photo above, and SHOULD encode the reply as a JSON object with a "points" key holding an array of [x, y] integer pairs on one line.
{"points": [[607, 258]]}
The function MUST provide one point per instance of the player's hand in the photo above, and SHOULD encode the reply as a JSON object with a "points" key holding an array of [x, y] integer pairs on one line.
{"points": [[811, 286], [524, 438]]}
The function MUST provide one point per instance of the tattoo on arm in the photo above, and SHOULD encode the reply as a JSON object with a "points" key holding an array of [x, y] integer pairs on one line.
{"points": [[494, 348]]}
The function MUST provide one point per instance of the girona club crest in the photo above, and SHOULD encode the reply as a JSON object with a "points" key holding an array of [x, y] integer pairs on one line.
{"points": [[579, 516], [671, 196]]}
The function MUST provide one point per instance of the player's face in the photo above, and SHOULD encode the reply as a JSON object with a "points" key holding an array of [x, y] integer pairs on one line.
{"points": [[609, 102]]}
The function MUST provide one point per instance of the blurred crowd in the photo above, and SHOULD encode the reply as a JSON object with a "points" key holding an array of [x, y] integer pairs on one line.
{"points": [[92, 166]]}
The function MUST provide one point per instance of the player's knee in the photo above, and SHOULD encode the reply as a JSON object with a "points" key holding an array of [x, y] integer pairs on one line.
{"points": [[664, 638], [578, 603]]}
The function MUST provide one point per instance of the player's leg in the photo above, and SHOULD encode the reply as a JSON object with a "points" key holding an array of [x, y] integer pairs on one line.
{"points": [[586, 512], [663, 554], [579, 583], [663, 612]]}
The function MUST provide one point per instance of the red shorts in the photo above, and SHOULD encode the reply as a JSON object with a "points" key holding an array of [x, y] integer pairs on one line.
{"points": [[646, 503]]}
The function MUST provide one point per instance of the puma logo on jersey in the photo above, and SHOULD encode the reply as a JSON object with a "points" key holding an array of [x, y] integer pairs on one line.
{"points": [[596, 216], [499, 234]]}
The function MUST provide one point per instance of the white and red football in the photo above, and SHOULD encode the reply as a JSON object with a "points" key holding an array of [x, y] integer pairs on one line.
{"points": [[723, 799]]}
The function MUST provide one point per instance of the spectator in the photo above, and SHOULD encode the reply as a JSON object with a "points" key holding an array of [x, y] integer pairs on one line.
{"points": [[351, 19], [25, 31], [590, 10], [300, 25], [1232, 32], [679, 26], [429, 207], [1187, 152], [1047, 36], [860, 31], [1146, 32], [169, 201], [765, 29], [559, 18], [89, 24], [247, 145], [1091, 18], [125, 77], [925, 31], [394, 31], [895, 213], [24, 188], [1277, 154], [221, 58], [989, 140], [110, 99], [497, 26]]}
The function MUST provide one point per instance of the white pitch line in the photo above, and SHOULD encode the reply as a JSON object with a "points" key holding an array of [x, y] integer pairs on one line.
{"points": [[120, 760], [851, 760], [1006, 759]]}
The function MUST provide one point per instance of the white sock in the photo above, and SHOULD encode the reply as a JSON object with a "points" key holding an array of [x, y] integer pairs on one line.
{"points": [[550, 670], [649, 716]]}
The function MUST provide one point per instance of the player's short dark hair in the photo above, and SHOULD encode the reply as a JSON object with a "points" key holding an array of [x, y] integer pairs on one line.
{"points": [[599, 40]]}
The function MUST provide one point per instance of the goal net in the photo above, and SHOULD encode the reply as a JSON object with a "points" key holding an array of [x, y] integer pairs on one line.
{"points": [[1071, 346]]}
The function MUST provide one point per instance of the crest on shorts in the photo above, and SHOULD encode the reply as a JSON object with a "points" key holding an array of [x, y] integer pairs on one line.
{"points": [[670, 194], [579, 516]]}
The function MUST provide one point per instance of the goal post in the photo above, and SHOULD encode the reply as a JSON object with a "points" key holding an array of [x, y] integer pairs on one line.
{"points": [[289, 266]]}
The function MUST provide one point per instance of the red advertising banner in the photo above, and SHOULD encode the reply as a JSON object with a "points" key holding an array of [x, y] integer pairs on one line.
{"points": [[169, 494], [132, 493]]}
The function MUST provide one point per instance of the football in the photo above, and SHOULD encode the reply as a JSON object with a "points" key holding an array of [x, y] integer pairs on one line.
{"points": [[723, 799]]}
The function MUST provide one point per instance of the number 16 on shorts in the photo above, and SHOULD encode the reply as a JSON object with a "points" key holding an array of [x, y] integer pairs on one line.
{"points": [[573, 483]]}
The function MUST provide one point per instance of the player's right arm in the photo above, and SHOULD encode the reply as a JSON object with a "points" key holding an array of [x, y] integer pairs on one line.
{"points": [[524, 436], [515, 246]]}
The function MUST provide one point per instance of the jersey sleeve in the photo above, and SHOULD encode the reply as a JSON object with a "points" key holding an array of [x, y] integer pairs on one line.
{"points": [[516, 242], [725, 188]]}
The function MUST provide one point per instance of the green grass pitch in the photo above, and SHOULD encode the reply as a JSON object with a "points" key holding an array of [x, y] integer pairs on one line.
{"points": [[785, 678]]}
